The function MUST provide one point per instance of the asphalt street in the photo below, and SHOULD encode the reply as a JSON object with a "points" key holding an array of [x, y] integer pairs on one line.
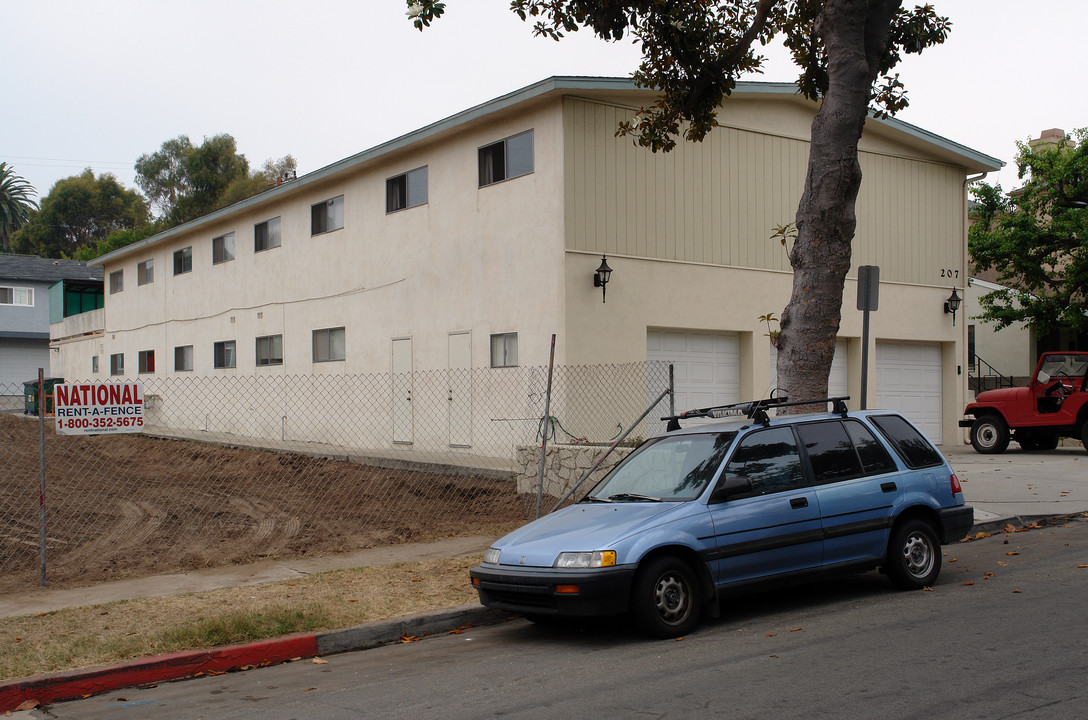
{"points": [[1001, 635]]}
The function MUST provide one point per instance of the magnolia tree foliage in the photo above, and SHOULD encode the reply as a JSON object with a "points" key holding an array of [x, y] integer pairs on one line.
{"points": [[1036, 238], [694, 51]]}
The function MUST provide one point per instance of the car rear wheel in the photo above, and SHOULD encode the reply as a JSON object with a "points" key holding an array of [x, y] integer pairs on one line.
{"points": [[989, 434], [914, 555], [665, 600]]}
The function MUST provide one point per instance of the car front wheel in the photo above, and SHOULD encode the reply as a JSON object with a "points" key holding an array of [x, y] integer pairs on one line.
{"points": [[989, 434], [914, 555], [665, 600]]}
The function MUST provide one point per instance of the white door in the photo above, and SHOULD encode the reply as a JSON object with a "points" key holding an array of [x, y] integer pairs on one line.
{"points": [[459, 376], [838, 382], [909, 379], [706, 367], [402, 390]]}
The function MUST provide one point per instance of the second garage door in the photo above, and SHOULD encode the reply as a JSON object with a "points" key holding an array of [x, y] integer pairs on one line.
{"points": [[908, 379], [707, 365]]}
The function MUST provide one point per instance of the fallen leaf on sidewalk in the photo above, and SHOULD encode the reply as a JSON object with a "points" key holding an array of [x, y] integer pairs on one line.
{"points": [[795, 630], [408, 638], [1082, 566], [970, 583], [1012, 552], [1018, 591], [319, 661], [27, 705]]}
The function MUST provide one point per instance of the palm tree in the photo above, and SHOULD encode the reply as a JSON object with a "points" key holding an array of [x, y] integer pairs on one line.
{"points": [[15, 203]]}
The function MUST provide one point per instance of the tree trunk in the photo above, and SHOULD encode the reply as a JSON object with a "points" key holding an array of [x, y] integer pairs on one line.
{"points": [[855, 33]]}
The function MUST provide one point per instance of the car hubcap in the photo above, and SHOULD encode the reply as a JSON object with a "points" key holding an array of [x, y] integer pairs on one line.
{"points": [[671, 599], [918, 555], [987, 435]]}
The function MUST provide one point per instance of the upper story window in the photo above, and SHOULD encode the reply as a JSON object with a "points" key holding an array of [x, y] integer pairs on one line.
{"points": [[329, 345], [145, 272], [117, 364], [17, 296], [224, 356], [183, 358], [504, 350], [223, 248], [270, 350], [117, 281], [407, 190], [506, 159], [266, 235], [147, 361], [183, 260], [327, 216]]}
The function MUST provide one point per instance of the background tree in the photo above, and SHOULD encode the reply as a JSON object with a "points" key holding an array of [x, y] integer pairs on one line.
{"points": [[184, 182], [16, 203], [693, 54], [1037, 239], [79, 212]]}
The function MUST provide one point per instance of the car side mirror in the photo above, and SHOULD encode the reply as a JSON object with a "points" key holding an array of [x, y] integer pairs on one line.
{"points": [[733, 486]]}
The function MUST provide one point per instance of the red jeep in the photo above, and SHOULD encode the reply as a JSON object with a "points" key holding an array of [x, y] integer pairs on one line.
{"points": [[1053, 405]]}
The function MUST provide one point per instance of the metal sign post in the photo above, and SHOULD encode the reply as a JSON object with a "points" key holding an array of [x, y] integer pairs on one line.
{"points": [[868, 301]]}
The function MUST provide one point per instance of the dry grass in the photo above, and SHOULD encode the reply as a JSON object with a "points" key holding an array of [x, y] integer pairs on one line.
{"points": [[103, 634]]}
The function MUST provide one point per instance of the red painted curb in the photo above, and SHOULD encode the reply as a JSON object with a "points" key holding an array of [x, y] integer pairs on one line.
{"points": [[79, 683]]}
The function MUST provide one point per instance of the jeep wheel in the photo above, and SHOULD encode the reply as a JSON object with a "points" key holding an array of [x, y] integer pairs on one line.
{"points": [[1084, 434], [665, 598], [1039, 441], [914, 556], [989, 434]]}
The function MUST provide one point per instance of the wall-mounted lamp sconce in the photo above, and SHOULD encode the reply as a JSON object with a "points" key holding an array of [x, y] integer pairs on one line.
{"points": [[952, 304], [602, 276]]}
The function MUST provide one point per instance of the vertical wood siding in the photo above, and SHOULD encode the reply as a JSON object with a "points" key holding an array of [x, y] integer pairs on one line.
{"points": [[716, 202]]}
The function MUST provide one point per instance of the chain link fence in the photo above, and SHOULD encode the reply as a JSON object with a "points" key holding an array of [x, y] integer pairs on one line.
{"points": [[231, 470]]}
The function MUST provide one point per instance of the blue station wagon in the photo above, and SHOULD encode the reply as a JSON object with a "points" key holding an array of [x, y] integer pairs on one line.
{"points": [[698, 513]]}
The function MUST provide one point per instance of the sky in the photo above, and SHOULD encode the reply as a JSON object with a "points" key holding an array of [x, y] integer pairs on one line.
{"points": [[99, 84]]}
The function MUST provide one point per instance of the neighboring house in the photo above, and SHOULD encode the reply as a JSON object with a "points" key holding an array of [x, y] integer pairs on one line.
{"points": [[26, 311], [467, 243], [1012, 352]]}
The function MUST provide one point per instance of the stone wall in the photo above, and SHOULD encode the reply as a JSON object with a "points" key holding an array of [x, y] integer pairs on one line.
{"points": [[565, 465]]}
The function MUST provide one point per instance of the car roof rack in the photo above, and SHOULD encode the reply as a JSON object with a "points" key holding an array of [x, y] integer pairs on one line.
{"points": [[754, 409]]}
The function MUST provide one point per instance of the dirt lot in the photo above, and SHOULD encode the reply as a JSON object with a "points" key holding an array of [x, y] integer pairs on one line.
{"points": [[126, 505]]}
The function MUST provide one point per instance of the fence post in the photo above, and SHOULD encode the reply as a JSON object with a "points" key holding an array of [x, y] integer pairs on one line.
{"points": [[41, 465], [547, 418]]}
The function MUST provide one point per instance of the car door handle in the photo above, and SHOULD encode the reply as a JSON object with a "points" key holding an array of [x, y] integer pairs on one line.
{"points": [[888, 487], [800, 502]]}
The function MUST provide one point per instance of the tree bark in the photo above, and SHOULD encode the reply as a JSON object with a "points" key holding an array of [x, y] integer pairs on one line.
{"points": [[855, 33]]}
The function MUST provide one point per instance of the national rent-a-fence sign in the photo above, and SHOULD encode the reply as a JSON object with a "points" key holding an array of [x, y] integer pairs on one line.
{"points": [[89, 408]]}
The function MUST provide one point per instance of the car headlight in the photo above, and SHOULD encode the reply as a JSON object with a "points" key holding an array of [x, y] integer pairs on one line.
{"points": [[599, 558], [491, 557]]}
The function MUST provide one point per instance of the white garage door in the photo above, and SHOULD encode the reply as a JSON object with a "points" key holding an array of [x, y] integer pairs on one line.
{"points": [[19, 362], [706, 365], [837, 382], [908, 379]]}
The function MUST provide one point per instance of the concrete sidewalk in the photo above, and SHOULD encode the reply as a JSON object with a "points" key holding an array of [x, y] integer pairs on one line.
{"points": [[1015, 488]]}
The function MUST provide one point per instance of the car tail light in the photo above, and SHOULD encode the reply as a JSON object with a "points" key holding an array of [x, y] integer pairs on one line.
{"points": [[955, 484]]}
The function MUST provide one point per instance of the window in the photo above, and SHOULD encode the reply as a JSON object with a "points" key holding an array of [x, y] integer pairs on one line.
{"points": [[830, 451], [266, 235], [147, 361], [223, 248], [94, 364], [509, 158], [224, 354], [183, 260], [908, 442], [504, 350], [270, 350], [183, 358], [117, 281], [145, 272], [769, 459], [874, 458], [117, 364], [407, 190], [327, 216], [17, 296], [329, 345]]}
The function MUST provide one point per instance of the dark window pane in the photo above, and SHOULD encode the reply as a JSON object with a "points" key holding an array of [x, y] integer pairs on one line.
{"points": [[830, 451], [907, 441], [318, 216], [492, 164], [396, 193], [769, 459], [519, 155], [874, 458]]}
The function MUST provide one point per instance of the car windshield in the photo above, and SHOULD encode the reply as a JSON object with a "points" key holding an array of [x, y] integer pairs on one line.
{"points": [[674, 467], [1071, 365]]}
